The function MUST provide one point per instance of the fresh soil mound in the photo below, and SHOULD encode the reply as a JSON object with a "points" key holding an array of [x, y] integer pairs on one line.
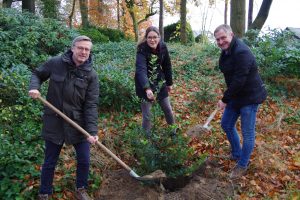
{"points": [[205, 183]]}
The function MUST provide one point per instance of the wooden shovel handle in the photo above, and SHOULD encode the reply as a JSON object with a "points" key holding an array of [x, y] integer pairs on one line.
{"points": [[84, 132], [212, 115]]}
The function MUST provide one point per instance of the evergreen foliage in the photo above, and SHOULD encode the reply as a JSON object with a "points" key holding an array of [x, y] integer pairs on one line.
{"points": [[172, 33]]}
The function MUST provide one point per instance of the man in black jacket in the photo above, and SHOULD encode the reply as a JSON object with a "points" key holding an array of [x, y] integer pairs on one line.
{"points": [[74, 90], [245, 91]]}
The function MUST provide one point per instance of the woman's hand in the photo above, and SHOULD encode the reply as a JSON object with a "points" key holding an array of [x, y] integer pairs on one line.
{"points": [[169, 88], [150, 94]]}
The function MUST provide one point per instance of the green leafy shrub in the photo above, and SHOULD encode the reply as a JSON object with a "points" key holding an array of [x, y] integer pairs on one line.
{"points": [[161, 151], [120, 54], [202, 38], [278, 56], [116, 89], [21, 147], [172, 33], [94, 34], [30, 40], [277, 53], [101, 35], [114, 35]]}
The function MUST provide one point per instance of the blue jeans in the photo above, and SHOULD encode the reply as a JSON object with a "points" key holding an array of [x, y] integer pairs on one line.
{"points": [[228, 123], [52, 152]]}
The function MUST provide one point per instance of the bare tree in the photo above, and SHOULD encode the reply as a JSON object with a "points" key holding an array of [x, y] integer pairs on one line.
{"points": [[237, 17], [131, 4], [7, 3], [226, 12], [84, 13], [28, 5], [118, 14], [262, 15], [72, 14], [183, 33], [161, 19], [50, 8], [250, 13]]}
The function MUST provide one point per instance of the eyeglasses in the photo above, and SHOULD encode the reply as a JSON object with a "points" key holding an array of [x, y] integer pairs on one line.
{"points": [[152, 38], [83, 49]]}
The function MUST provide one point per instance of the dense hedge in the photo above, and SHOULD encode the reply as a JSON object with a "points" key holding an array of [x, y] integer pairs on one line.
{"points": [[101, 35], [172, 33], [27, 39]]}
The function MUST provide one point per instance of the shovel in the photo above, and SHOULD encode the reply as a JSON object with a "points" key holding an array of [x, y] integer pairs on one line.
{"points": [[198, 130], [156, 175]]}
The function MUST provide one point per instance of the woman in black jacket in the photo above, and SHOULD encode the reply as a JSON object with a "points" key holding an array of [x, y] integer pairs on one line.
{"points": [[153, 76]]}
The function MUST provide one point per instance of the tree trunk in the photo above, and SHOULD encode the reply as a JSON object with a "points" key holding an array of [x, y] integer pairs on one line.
{"points": [[84, 13], [50, 8], [226, 12], [118, 14], [161, 19], [135, 25], [28, 5], [130, 6], [7, 3], [71, 14], [183, 34], [250, 13], [237, 17], [262, 15]]}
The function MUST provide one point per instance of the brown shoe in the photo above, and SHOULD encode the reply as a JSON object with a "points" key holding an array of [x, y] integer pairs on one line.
{"points": [[81, 194], [43, 197], [237, 172]]}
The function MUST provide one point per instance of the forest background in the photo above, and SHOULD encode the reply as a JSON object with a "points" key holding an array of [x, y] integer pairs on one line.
{"points": [[31, 31]]}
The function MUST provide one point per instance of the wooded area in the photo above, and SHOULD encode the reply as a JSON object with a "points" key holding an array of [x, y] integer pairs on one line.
{"points": [[132, 16], [197, 167]]}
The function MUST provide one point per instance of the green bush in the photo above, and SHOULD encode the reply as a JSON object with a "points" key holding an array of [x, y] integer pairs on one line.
{"points": [[277, 53], [116, 89], [160, 150], [172, 33], [278, 56], [202, 38], [101, 35], [30, 40], [114, 35], [94, 34], [20, 122]]}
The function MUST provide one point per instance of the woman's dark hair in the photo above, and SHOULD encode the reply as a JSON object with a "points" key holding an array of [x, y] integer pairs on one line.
{"points": [[148, 30]]}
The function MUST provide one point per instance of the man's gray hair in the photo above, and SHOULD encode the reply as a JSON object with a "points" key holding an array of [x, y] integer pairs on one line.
{"points": [[226, 28], [81, 38]]}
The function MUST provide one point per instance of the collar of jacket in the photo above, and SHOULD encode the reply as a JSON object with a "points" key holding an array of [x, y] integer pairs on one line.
{"points": [[86, 66]]}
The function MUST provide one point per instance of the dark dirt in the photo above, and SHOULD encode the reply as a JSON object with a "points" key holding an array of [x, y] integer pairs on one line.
{"points": [[208, 182]]}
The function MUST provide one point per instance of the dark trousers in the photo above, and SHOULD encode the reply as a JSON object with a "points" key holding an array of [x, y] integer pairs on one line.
{"points": [[52, 152]]}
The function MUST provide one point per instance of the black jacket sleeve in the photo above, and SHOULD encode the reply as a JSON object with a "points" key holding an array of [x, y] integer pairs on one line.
{"points": [[141, 69], [167, 67], [40, 75], [91, 105]]}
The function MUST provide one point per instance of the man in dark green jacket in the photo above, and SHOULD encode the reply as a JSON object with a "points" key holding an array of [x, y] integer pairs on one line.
{"points": [[74, 90], [245, 91]]}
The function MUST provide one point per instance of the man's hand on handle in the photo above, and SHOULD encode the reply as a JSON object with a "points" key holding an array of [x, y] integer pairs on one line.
{"points": [[34, 94], [93, 139], [221, 105]]}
